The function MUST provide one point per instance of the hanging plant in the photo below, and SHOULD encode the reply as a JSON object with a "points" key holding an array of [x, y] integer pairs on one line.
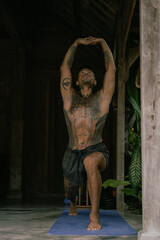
{"points": [[135, 168]]}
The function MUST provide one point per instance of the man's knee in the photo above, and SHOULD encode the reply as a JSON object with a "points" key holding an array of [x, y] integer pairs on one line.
{"points": [[94, 161], [91, 163]]}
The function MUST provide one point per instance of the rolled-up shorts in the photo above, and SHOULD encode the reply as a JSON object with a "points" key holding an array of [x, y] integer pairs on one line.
{"points": [[72, 164]]}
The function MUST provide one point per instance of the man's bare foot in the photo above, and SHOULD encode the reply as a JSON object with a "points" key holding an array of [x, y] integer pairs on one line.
{"points": [[94, 223], [73, 208]]}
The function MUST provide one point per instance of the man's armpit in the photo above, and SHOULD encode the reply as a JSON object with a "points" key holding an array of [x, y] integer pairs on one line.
{"points": [[66, 83]]}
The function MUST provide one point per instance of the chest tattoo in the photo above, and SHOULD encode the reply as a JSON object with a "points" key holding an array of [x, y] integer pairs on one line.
{"points": [[84, 122]]}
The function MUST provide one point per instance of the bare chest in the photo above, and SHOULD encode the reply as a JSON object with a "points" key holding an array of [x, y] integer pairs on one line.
{"points": [[84, 122], [84, 109]]}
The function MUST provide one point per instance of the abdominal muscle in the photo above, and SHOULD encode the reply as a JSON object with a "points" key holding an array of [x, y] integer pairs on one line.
{"points": [[83, 133], [83, 129], [84, 122]]}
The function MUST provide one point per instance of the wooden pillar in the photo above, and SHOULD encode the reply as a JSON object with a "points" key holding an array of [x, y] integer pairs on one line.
{"points": [[150, 117], [120, 132], [15, 184], [17, 105], [123, 68]]}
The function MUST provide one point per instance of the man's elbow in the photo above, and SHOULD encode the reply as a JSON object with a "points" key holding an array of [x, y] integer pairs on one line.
{"points": [[111, 70], [61, 68], [113, 67]]}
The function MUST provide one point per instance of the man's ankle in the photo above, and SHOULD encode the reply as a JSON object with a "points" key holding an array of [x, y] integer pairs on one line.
{"points": [[94, 215]]}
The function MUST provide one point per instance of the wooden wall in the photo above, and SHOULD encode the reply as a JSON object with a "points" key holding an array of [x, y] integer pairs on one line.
{"points": [[32, 120]]}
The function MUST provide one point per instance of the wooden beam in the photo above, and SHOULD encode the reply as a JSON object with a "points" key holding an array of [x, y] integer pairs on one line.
{"points": [[101, 10], [112, 5], [133, 55], [150, 118], [123, 72], [128, 10], [120, 148], [17, 128]]}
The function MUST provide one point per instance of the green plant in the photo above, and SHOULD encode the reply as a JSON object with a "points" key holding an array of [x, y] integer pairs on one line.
{"points": [[114, 183], [132, 188], [134, 145]]}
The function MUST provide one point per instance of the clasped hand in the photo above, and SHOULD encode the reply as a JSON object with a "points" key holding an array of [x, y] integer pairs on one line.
{"points": [[89, 40]]}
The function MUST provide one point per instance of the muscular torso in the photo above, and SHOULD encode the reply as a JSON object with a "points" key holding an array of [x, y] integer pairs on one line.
{"points": [[85, 121]]}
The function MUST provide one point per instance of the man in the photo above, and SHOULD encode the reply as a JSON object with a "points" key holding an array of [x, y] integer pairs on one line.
{"points": [[85, 115]]}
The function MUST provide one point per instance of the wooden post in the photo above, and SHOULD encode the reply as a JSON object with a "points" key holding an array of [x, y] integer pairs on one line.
{"points": [[123, 69], [15, 186], [150, 117], [120, 132]]}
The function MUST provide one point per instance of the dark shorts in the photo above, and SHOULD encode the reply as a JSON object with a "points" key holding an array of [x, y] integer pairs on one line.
{"points": [[73, 168]]}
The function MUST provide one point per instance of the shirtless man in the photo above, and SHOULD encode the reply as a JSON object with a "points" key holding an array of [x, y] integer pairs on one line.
{"points": [[85, 115]]}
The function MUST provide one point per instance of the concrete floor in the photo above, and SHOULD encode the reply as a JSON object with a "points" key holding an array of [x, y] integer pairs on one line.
{"points": [[32, 221]]}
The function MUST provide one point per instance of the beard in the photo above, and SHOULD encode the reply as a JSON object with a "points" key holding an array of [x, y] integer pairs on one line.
{"points": [[86, 83]]}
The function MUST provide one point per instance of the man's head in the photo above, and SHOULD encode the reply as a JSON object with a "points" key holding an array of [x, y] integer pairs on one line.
{"points": [[85, 77]]}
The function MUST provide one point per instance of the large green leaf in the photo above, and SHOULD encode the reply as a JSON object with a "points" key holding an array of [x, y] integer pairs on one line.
{"points": [[115, 183], [130, 192], [135, 168], [135, 105]]}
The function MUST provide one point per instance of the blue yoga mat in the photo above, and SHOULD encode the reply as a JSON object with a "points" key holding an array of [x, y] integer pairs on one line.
{"points": [[112, 224]]}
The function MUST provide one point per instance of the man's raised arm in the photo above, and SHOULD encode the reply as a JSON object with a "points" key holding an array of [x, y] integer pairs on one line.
{"points": [[65, 69], [109, 77]]}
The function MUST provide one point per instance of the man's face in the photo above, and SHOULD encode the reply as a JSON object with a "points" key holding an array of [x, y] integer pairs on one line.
{"points": [[86, 77]]}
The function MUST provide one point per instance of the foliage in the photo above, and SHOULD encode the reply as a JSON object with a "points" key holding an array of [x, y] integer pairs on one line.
{"points": [[134, 153], [135, 168], [114, 183], [134, 144], [133, 191]]}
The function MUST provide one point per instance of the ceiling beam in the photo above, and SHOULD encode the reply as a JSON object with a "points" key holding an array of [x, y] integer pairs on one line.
{"points": [[113, 5], [77, 16], [107, 14]]}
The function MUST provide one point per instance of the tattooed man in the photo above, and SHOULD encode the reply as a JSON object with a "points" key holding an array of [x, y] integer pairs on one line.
{"points": [[85, 115]]}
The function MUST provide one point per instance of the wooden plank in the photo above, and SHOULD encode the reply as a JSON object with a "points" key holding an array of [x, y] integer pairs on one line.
{"points": [[150, 118]]}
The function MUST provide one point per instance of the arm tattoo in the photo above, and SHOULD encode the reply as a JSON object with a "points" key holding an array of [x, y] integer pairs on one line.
{"points": [[66, 82], [107, 57], [71, 57]]}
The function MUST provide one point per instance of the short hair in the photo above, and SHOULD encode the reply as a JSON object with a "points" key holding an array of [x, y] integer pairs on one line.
{"points": [[82, 67]]}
